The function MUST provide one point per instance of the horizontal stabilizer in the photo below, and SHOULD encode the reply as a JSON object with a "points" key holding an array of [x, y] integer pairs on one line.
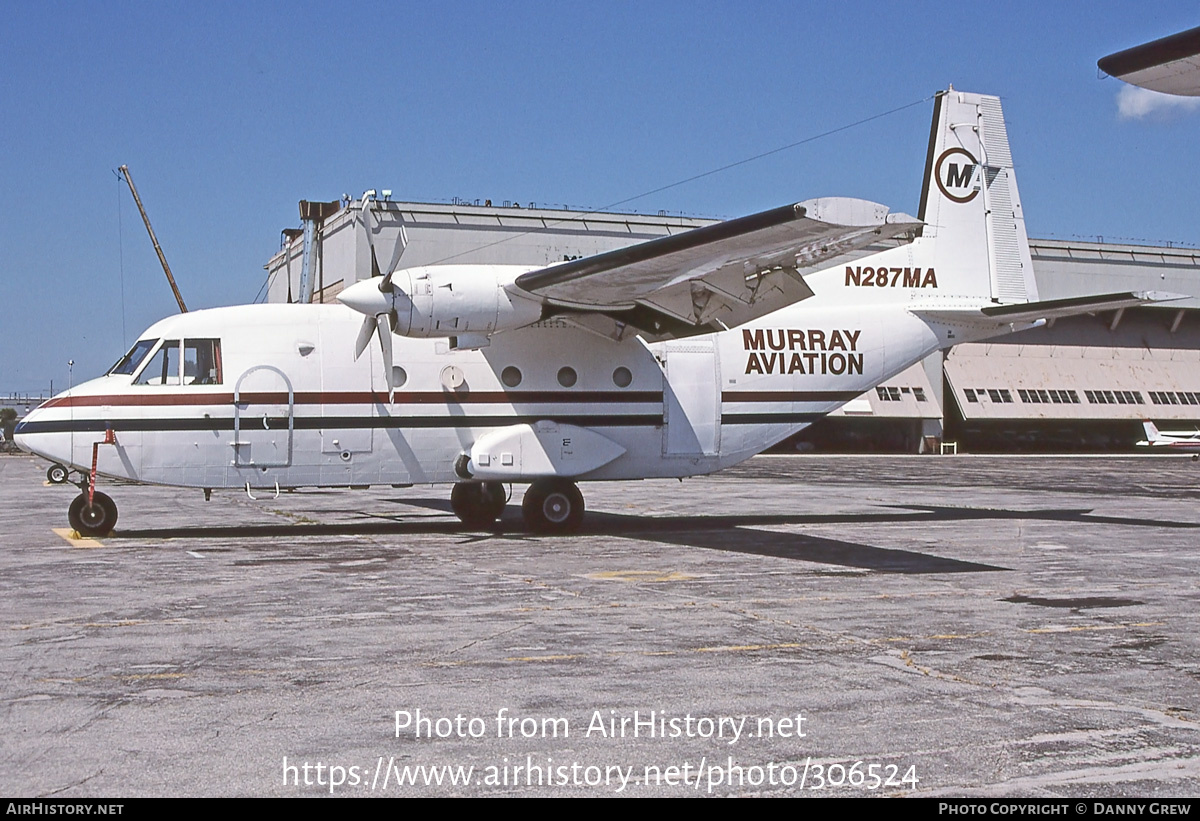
{"points": [[1049, 308]]}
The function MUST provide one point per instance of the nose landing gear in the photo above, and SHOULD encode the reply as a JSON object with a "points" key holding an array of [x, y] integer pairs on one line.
{"points": [[93, 513], [95, 518]]}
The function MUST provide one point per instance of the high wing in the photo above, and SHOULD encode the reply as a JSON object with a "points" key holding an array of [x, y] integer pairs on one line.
{"points": [[1170, 65], [713, 277]]}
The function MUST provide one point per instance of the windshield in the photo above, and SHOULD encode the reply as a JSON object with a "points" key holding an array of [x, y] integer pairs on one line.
{"points": [[128, 363]]}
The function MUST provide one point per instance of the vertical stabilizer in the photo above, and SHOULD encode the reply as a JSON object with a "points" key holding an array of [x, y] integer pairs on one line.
{"points": [[969, 200]]}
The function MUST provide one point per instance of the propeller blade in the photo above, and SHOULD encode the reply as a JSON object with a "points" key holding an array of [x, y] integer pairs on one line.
{"points": [[364, 336], [366, 218], [385, 344]]}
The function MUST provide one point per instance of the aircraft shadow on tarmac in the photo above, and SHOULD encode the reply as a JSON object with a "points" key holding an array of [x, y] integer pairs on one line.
{"points": [[729, 533]]}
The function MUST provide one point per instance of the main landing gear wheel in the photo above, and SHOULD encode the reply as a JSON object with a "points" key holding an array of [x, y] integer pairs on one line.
{"points": [[57, 474], [96, 519], [553, 506], [478, 504]]}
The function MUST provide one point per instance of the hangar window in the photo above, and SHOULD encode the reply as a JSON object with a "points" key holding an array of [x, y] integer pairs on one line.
{"points": [[163, 369], [919, 394], [1168, 398], [202, 362], [970, 394], [128, 363]]}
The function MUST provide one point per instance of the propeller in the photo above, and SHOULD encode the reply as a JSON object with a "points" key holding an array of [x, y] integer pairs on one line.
{"points": [[374, 298]]}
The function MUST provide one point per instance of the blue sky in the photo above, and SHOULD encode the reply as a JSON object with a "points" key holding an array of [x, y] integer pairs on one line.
{"points": [[229, 113]]}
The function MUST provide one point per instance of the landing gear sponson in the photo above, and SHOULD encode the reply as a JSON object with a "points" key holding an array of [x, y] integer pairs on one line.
{"points": [[549, 506]]}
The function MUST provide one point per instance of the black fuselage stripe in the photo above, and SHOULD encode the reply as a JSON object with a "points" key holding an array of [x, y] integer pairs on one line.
{"points": [[251, 424]]}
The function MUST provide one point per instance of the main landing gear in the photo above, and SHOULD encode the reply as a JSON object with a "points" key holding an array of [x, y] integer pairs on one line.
{"points": [[478, 504], [549, 506], [553, 506]]}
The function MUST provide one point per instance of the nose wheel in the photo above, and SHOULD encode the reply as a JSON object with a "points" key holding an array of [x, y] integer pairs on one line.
{"points": [[95, 519], [478, 504], [553, 506]]}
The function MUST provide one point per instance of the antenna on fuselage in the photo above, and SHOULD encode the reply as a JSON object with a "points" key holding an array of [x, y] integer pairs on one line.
{"points": [[157, 249]]}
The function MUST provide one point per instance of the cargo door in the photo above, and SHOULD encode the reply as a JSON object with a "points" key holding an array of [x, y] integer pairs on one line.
{"points": [[348, 395]]}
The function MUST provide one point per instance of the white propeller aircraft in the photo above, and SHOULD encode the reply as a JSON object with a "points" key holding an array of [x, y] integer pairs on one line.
{"points": [[1179, 441], [676, 357]]}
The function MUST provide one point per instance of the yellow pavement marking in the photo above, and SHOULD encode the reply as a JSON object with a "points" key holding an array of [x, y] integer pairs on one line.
{"points": [[73, 538], [642, 576]]}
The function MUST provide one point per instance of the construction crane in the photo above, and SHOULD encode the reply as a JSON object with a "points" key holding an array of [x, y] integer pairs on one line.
{"points": [[158, 250]]}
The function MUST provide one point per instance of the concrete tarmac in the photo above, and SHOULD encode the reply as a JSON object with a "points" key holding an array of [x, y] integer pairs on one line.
{"points": [[801, 625]]}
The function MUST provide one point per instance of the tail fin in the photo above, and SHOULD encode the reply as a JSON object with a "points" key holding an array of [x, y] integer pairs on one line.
{"points": [[970, 205], [1152, 434]]}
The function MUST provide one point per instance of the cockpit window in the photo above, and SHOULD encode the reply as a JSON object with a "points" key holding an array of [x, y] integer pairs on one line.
{"points": [[163, 368], [128, 363], [202, 362]]}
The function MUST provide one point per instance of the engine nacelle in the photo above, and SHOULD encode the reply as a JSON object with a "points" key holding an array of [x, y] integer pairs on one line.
{"points": [[454, 300]]}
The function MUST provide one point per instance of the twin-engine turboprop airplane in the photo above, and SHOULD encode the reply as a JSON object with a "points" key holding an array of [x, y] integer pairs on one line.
{"points": [[672, 358]]}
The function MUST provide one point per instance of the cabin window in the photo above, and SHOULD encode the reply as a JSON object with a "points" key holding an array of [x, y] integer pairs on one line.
{"points": [[128, 363], [567, 377], [511, 376], [202, 362], [163, 368], [622, 377]]}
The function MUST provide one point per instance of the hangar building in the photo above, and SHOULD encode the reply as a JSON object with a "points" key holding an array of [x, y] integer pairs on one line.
{"points": [[1079, 384]]}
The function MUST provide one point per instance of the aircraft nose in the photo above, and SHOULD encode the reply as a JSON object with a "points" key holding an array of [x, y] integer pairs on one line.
{"points": [[366, 297], [25, 431]]}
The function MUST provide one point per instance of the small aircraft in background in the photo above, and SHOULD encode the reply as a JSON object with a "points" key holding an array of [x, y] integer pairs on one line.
{"points": [[675, 357], [1179, 441]]}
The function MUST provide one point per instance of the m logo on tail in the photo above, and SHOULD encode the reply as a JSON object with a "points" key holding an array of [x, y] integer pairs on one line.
{"points": [[954, 177]]}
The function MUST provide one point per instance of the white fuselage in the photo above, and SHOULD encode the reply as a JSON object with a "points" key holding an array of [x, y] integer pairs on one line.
{"points": [[291, 407]]}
